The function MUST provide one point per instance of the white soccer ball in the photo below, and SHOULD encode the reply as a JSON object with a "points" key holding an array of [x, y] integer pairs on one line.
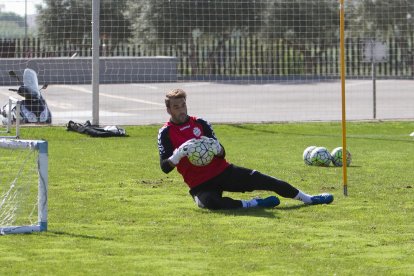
{"points": [[320, 156], [306, 155], [337, 157], [201, 153]]}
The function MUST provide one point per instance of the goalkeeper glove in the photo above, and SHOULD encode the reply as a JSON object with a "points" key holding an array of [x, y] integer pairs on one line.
{"points": [[181, 151], [214, 144], [216, 147]]}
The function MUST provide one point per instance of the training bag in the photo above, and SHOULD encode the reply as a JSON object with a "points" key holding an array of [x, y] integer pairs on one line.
{"points": [[96, 131]]}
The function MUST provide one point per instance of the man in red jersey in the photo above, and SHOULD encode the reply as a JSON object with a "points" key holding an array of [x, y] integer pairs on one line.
{"points": [[207, 183]]}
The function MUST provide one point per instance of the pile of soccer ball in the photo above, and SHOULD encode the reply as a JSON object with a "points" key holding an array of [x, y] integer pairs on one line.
{"points": [[320, 156]]}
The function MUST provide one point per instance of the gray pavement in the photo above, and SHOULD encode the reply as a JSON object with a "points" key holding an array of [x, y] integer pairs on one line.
{"points": [[141, 104]]}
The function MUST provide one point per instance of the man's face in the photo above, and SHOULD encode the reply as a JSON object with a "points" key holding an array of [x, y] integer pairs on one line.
{"points": [[178, 110]]}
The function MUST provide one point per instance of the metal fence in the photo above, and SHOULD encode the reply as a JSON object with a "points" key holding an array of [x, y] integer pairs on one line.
{"points": [[243, 56]]}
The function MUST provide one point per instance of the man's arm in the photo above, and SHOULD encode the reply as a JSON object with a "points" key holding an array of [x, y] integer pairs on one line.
{"points": [[165, 150], [166, 165], [170, 157]]}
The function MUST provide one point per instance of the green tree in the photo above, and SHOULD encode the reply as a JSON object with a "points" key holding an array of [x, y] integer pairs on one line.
{"points": [[379, 19], [69, 22], [303, 24], [305, 20], [11, 25], [177, 22], [384, 20], [12, 17], [173, 21]]}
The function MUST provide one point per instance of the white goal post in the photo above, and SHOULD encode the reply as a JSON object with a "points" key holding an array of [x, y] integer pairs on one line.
{"points": [[24, 186]]}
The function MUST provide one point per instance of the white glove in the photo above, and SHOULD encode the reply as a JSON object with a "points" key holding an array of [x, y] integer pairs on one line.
{"points": [[181, 151], [216, 147], [215, 144]]}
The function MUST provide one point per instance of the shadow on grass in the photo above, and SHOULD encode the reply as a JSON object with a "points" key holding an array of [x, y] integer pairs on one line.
{"points": [[257, 212], [73, 235], [254, 212], [293, 207]]}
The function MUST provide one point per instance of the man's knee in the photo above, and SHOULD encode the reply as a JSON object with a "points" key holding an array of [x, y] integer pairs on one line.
{"points": [[199, 202], [207, 201]]}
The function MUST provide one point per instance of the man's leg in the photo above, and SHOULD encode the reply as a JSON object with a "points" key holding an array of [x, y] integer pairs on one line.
{"points": [[214, 200], [246, 180]]}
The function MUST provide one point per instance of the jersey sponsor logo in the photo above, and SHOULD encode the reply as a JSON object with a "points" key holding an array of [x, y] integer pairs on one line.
{"points": [[196, 132], [184, 128]]}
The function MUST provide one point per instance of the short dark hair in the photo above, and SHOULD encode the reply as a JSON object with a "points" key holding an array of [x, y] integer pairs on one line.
{"points": [[174, 94]]}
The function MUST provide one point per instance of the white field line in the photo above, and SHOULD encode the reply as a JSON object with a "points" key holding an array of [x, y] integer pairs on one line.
{"points": [[87, 91], [196, 84], [146, 86]]}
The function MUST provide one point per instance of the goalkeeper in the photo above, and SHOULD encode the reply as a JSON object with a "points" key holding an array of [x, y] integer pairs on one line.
{"points": [[207, 183]]}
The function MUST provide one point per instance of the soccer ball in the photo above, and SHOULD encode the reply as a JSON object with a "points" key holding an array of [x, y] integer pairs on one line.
{"points": [[320, 156], [337, 157], [306, 155], [200, 153]]}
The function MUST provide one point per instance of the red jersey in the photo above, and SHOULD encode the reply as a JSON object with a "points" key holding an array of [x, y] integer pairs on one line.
{"points": [[171, 136]]}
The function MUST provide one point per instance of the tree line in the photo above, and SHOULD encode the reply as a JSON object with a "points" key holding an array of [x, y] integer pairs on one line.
{"points": [[304, 25], [174, 21], [170, 22]]}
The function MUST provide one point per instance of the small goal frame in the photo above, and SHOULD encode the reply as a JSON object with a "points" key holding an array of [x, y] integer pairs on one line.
{"points": [[42, 199]]}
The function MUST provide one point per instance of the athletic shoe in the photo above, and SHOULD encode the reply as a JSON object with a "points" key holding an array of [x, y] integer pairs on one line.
{"points": [[324, 198], [268, 202]]}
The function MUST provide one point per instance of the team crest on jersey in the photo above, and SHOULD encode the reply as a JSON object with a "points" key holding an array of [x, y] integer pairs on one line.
{"points": [[197, 132]]}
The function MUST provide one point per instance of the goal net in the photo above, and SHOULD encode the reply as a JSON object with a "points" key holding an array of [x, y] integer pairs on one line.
{"points": [[279, 59], [23, 188]]}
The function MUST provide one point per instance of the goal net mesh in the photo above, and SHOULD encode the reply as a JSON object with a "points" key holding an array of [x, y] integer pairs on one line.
{"points": [[23, 188], [277, 58]]}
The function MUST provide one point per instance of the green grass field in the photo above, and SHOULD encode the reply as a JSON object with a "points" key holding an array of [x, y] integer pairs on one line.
{"points": [[113, 212]]}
